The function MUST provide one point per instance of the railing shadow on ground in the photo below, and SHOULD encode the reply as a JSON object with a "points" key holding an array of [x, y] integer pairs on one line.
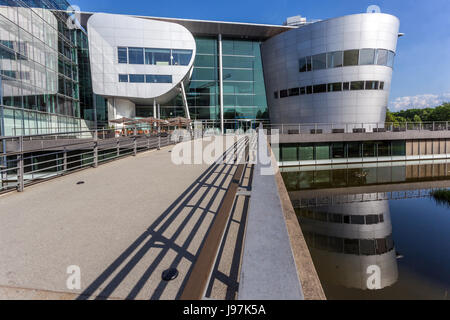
{"points": [[154, 237]]}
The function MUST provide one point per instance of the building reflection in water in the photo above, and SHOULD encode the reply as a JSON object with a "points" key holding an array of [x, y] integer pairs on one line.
{"points": [[346, 239]]}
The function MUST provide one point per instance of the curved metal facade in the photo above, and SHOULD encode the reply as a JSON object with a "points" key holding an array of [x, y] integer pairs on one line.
{"points": [[140, 39], [281, 56]]}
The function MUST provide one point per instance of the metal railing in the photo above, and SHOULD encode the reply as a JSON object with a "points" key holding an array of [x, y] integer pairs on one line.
{"points": [[341, 128], [26, 160]]}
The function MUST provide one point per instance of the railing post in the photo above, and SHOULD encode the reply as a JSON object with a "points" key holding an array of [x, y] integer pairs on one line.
{"points": [[20, 167], [95, 149], [65, 160], [159, 137]]}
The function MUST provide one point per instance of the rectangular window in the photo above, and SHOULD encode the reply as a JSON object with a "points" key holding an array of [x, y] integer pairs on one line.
{"points": [[308, 63], [335, 87], [351, 246], [309, 90], [158, 57], [351, 58], [391, 58], [338, 150], [382, 57], [302, 91], [346, 86], [289, 153], [123, 78], [335, 59], [367, 57], [372, 85], [322, 152], [358, 220], [136, 55], [382, 85], [283, 93], [369, 150], [368, 248], [137, 78], [275, 94], [398, 148], [320, 88], [372, 219], [122, 54], [319, 61], [150, 78], [303, 65], [181, 57], [357, 85], [294, 92], [354, 150], [306, 153]]}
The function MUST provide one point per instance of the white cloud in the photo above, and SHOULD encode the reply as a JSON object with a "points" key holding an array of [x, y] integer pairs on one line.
{"points": [[419, 102]]}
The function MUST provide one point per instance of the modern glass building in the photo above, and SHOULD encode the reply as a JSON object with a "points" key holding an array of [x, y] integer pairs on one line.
{"points": [[40, 74], [56, 78]]}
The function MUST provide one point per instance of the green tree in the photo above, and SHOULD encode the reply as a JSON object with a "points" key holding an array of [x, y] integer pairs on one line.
{"points": [[417, 119]]}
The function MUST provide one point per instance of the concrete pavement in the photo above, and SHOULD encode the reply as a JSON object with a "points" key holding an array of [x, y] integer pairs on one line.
{"points": [[131, 220]]}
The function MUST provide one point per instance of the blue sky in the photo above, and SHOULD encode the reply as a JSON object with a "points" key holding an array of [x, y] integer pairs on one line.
{"points": [[422, 67]]}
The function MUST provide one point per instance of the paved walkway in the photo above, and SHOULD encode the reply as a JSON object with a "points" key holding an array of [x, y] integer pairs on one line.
{"points": [[130, 221]]}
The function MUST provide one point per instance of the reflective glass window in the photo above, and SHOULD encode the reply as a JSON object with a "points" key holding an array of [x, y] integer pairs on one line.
{"points": [[338, 150], [382, 85], [294, 92], [335, 87], [367, 247], [309, 90], [358, 220], [123, 55], [308, 63], [289, 153], [382, 57], [306, 153], [351, 58], [319, 61], [302, 91], [303, 65], [320, 88], [357, 85], [181, 57], [335, 59], [137, 78], [123, 78], [346, 86], [372, 219], [351, 246], [322, 152], [354, 150], [275, 94], [150, 78], [237, 75], [372, 85], [367, 56], [391, 58], [398, 148], [283, 93], [136, 55], [159, 57]]}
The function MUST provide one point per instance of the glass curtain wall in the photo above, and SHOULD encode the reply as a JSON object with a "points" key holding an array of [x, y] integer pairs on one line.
{"points": [[243, 80], [243, 83], [39, 68]]}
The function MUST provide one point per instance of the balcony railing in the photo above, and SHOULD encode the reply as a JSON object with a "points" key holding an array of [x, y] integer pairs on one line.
{"points": [[354, 128]]}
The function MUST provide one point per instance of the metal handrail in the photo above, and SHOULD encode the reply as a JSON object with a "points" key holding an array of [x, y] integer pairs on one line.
{"points": [[91, 152]]}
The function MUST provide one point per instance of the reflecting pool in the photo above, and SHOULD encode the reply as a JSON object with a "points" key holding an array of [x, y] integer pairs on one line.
{"points": [[376, 233]]}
